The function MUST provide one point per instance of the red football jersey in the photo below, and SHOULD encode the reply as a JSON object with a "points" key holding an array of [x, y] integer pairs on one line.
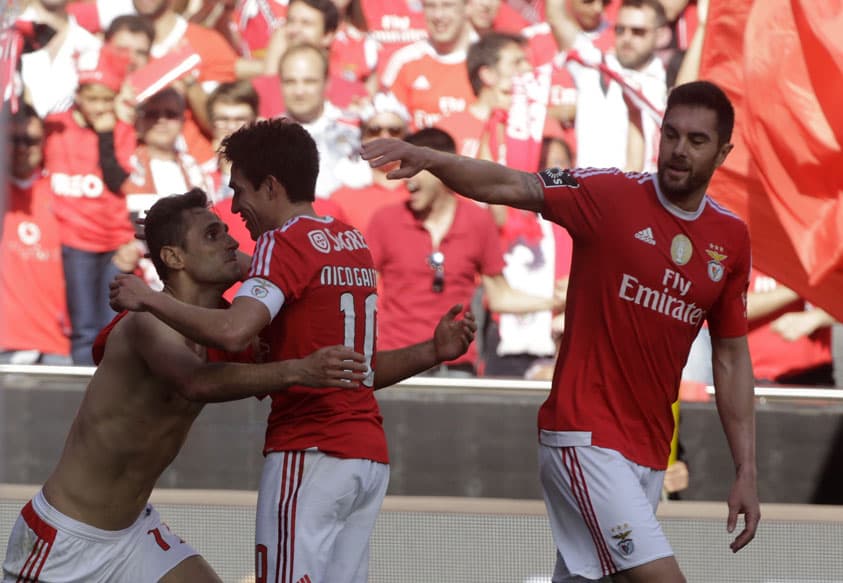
{"points": [[644, 276], [325, 272], [394, 24], [33, 313], [430, 85], [90, 216]]}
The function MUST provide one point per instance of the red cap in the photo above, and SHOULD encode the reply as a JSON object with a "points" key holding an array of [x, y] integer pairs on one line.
{"points": [[109, 69]]}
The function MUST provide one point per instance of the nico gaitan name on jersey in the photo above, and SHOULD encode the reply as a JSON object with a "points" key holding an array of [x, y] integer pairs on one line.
{"points": [[324, 241]]}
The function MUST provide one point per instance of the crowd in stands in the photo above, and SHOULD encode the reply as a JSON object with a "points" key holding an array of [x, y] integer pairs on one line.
{"points": [[115, 103]]}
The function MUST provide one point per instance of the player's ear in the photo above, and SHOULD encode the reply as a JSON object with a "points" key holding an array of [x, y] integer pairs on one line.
{"points": [[275, 188], [172, 257]]}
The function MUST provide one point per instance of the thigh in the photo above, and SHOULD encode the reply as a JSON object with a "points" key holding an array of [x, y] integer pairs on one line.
{"points": [[305, 498], [601, 510], [350, 559], [155, 552]]}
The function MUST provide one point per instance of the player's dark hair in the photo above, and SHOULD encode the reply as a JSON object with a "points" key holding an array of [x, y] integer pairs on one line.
{"points": [[485, 52], [165, 224], [708, 95], [330, 13], [279, 148], [133, 23], [433, 138]]}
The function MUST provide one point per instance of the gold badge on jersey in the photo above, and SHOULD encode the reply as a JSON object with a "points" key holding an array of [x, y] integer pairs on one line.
{"points": [[715, 266], [681, 249]]}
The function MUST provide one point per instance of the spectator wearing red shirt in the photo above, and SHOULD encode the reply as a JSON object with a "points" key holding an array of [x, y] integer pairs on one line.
{"points": [[33, 314], [315, 22], [219, 64], [428, 76], [394, 24], [494, 60], [86, 155], [429, 253]]}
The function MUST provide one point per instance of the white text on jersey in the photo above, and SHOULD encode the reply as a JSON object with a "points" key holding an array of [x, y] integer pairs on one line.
{"points": [[343, 276], [659, 301]]}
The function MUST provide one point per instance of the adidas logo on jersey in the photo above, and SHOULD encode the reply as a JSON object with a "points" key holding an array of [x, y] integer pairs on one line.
{"points": [[421, 83], [646, 235]]}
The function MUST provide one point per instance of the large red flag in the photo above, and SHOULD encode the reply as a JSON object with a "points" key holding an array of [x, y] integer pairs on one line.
{"points": [[781, 63]]}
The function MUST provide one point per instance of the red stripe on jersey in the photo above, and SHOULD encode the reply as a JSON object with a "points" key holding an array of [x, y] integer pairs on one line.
{"points": [[46, 536]]}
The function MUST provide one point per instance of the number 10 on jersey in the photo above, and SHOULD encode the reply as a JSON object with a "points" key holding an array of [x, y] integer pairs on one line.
{"points": [[349, 310]]}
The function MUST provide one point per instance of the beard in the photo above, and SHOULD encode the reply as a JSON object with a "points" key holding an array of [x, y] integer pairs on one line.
{"points": [[678, 189]]}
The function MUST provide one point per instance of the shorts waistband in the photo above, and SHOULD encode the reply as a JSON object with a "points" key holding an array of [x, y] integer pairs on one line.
{"points": [[72, 526]]}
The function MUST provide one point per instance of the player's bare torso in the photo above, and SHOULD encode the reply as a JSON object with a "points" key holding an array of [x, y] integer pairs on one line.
{"points": [[128, 429]]}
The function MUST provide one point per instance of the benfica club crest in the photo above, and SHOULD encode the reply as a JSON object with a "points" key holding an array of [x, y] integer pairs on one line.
{"points": [[715, 265], [625, 542]]}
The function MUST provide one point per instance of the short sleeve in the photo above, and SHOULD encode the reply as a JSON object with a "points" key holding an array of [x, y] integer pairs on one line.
{"points": [[727, 318], [571, 201]]}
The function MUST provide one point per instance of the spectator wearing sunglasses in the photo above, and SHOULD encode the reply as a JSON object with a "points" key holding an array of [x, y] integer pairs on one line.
{"points": [[33, 314], [385, 117], [430, 251], [614, 127], [160, 165]]}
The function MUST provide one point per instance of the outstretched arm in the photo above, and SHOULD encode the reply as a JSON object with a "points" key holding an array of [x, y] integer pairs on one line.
{"points": [[229, 329], [169, 356], [735, 388], [565, 29], [481, 180], [450, 340]]}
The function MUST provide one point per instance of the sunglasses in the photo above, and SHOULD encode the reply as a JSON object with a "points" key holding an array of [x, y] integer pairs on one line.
{"points": [[28, 141], [638, 31], [374, 130], [156, 114], [436, 261]]}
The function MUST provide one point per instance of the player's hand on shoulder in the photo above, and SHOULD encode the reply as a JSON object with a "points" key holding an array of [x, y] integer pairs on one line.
{"points": [[127, 292], [332, 366], [454, 334]]}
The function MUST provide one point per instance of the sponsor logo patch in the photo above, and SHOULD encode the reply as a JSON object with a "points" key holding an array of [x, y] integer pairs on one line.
{"points": [[681, 249], [319, 240], [259, 291], [646, 235], [557, 177]]}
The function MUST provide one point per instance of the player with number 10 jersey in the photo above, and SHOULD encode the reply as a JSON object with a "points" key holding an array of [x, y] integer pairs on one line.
{"points": [[321, 271]]}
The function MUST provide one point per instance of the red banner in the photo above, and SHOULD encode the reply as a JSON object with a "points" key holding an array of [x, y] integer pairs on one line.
{"points": [[781, 63]]}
